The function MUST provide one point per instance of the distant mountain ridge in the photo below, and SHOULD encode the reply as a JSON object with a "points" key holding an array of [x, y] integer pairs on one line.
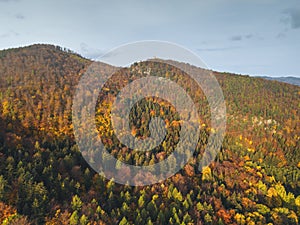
{"points": [[289, 80]]}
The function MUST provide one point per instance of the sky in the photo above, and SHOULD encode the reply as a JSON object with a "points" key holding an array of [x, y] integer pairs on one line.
{"points": [[252, 37]]}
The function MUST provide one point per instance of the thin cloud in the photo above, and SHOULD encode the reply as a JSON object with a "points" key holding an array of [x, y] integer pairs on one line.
{"points": [[236, 38], [241, 37], [4, 35], [249, 36], [218, 49], [281, 35], [293, 18], [9, 34], [20, 16], [89, 52], [9, 0]]}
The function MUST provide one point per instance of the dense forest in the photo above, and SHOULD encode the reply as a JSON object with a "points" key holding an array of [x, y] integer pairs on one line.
{"points": [[255, 179]]}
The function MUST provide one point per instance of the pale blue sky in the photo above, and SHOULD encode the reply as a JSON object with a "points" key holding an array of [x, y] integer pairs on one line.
{"points": [[255, 37]]}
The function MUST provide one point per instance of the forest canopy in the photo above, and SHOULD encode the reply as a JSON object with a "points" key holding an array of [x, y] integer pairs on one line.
{"points": [[44, 179]]}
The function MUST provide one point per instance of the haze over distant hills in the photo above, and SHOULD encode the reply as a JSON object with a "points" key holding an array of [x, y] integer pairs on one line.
{"points": [[289, 79]]}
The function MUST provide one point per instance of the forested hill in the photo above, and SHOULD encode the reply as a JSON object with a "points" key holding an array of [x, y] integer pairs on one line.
{"points": [[44, 179]]}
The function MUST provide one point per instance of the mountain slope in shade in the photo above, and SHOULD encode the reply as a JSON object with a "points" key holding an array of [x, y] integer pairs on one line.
{"points": [[45, 180]]}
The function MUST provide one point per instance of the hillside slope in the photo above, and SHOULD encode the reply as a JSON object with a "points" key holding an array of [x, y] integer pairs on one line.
{"points": [[44, 179]]}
